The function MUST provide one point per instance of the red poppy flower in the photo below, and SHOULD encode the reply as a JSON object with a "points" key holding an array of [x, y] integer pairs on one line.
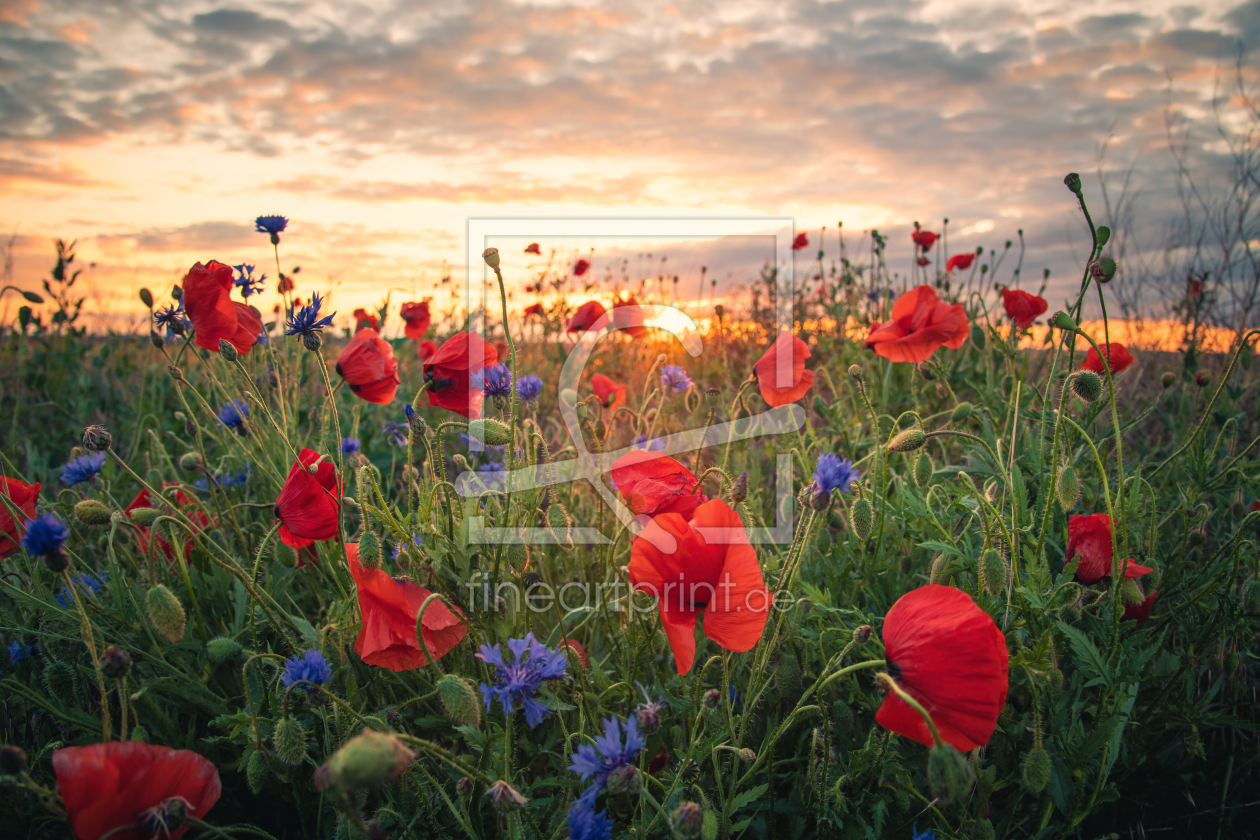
{"points": [[801, 242], [450, 368], [628, 317], [923, 261], [105, 787], [286, 284], [963, 261], [369, 367], [1140, 612], [189, 508], [610, 393], [586, 316], [1023, 307], [654, 483], [532, 248], [581, 267], [767, 371], [534, 309], [720, 580], [23, 496], [577, 648], [214, 315], [307, 505], [417, 319], [1194, 288], [364, 320], [389, 608], [426, 349], [1117, 354], [924, 238], [504, 353], [920, 324], [1090, 537]]}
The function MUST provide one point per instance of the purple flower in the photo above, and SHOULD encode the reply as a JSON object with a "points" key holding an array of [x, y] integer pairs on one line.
{"points": [[306, 321], [532, 663], [84, 468], [675, 378], [310, 666], [349, 446], [395, 433], [233, 414], [834, 474], [528, 388], [270, 224], [585, 824], [495, 380], [45, 534], [607, 754], [247, 282], [653, 445]]}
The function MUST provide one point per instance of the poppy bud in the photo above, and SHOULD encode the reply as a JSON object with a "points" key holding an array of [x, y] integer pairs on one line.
{"points": [[312, 341], [115, 663], [146, 297], [226, 350], [367, 760], [1068, 488], [949, 774], [12, 760], [1130, 592], [1087, 385], [166, 613], [256, 772], [993, 571], [1064, 322], [961, 412], [687, 821], [290, 741], [155, 338], [1103, 270], [464, 786], [907, 441], [719, 310], [739, 490], [1037, 770], [222, 649], [940, 570], [144, 516], [491, 256], [820, 500], [92, 512], [977, 336], [97, 439], [923, 471], [857, 373], [369, 551], [747, 755], [505, 797], [459, 698], [1249, 597], [712, 699], [559, 523], [490, 432], [1073, 182], [863, 518], [625, 780], [190, 461], [1202, 378]]}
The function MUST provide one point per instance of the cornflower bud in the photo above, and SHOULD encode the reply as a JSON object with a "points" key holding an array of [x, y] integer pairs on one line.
{"points": [[227, 350], [97, 439], [115, 663]]}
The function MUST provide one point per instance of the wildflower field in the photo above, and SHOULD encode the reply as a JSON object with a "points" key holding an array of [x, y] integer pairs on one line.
{"points": [[897, 570]]}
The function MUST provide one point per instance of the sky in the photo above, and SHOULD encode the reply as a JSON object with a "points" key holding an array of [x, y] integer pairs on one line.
{"points": [[154, 132]]}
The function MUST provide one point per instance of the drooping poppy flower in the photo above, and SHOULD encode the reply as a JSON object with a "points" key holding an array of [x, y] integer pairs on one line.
{"points": [[801, 242], [654, 483], [307, 505], [369, 367], [503, 350], [107, 787], [923, 261], [793, 352], [963, 261], [415, 315], [577, 648], [23, 496], [949, 655], [144, 499], [426, 349], [585, 316], [285, 285], [1090, 537], [534, 309], [364, 320], [627, 316], [450, 369], [923, 238], [1117, 354], [581, 267], [1140, 612], [214, 315], [532, 248], [1022, 307], [919, 325], [720, 580], [610, 393], [389, 608]]}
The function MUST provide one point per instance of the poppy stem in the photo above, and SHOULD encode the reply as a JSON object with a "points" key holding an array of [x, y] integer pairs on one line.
{"points": [[912, 703]]}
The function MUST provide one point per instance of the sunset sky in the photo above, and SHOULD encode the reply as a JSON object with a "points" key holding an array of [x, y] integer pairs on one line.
{"points": [[154, 132]]}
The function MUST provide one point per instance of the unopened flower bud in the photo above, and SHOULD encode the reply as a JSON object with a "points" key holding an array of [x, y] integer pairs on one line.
{"points": [[367, 760], [719, 310], [820, 500], [464, 786], [115, 662], [312, 341], [166, 613], [961, 412], [625, 780], [227, 350], [222, 649], [1087, 385], [923, 471], [1036, 770], [459, 698], [977, 336], [190, 461], [92, 512], [144, 516], [1167, 378], [490, 432], [993, 571], [97, 439], [155, 338], [369, 551], [739, 490], [857, 373], [687, 821], [290, 741], [748, 756], [862, 515], [862, 634], [1064, 322], [1068, 487], [503, 795], [1202, 378], [940, 570], [712, 698], [949, 773], [491, 256], [146, 297], [907, 440]]}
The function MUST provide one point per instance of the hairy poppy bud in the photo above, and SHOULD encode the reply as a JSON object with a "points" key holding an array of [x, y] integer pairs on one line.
{"points": [[1087, 385], [940, 570], [312, 341], [977, 336], [115, 662], [907, 441], [166, 613], [369, 551], [190, 461], [505, 797], [993, 571], [1249, 597], [1064, 322], [490, 432], [1073, 182], [1167, 378], [1202, 378], [97, 439], [1130, 592], [1103, 270], [92, 512], [222, 649], [857, 373], [625, 780], [961, 412], [1068, 487], [820, 500], [256, 772], [459, 698], [747, 755], [290, 741], [862, 515], [739, 490], [949, 774], [687, 821], [146, 297], [491, 256], [12, 760], [923, 471], [1037, 770], [155, 338], [227, 350], [367, 760], [144, 516], [862, 634]]}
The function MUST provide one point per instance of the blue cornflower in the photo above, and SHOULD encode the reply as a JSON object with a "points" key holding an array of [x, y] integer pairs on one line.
{"points": [[532, 663], [416, 539], [81, 469], [675, 378], [349, 446], [247, 282], [270, 224], [173, 320], [45, 534], [496, 381], [873, 295], [607, 754], [834, 474], [395, 433], [233, 414], [310, 666], [528, 387], [585, 824], [306, 321], [492, 475], [17, 652], [88, 582], [262, 338], [653, 445], [926, 835]]}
